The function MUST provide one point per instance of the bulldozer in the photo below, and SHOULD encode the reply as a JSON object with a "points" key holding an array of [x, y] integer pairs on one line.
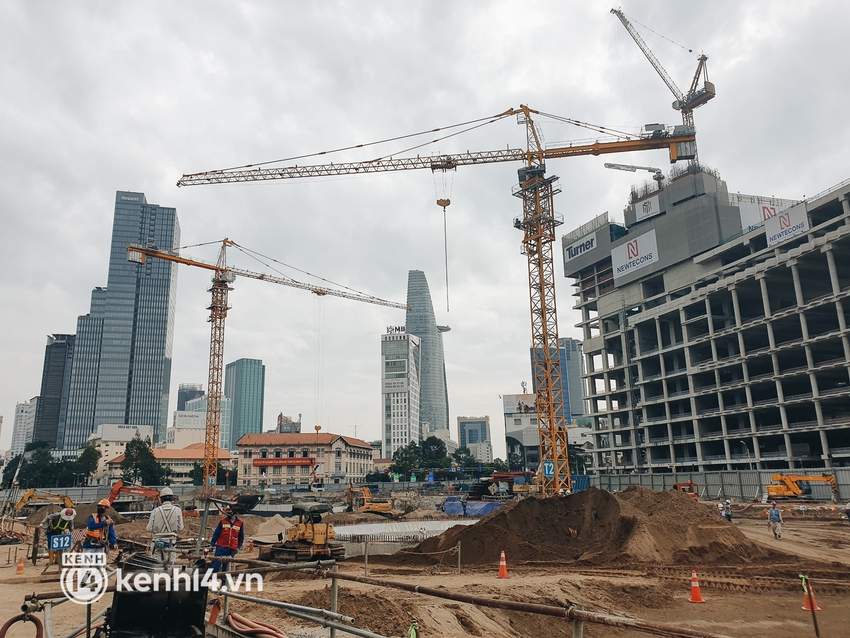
{"points": [[798, 485], [309, 540], [365, 502]]}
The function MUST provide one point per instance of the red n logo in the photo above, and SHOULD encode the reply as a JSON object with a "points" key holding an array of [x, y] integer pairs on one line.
{"points": [[768, 211], [632, 249], [784, 221]]}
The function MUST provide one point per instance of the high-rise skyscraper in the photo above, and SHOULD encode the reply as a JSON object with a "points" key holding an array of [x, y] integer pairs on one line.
{"points": [[122, 361], [244, 385], [55, 381], [23, 426], [199, 404], [401, 364], [434, 394], [474, 433], [572, 367], [187, 392]]}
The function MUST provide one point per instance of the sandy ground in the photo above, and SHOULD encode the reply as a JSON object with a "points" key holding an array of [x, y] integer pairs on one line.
{"points": [[756, 598]]}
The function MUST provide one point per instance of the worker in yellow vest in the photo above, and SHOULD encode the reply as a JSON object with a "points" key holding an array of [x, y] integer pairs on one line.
{"points": [[58, 524]]}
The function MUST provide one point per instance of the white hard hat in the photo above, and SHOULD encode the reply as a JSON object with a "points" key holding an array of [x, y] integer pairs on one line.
{"points": [[68, 514], [166, 491], [728, 501]]}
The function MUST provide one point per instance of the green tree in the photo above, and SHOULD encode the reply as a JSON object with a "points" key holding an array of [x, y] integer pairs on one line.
{"points": [[197, 475], [406, 459], [432, 453], [140, 464], [463, 457]]}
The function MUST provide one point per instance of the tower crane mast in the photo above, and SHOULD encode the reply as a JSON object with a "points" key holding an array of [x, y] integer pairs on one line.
{"points": [[223, 276], [538, 223]]}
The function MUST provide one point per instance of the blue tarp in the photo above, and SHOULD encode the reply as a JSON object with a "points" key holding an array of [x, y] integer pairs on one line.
{"points": [[473, 508]]}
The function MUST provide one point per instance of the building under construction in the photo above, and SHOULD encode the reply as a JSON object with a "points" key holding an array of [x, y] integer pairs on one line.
{"points": [[715, 328]]}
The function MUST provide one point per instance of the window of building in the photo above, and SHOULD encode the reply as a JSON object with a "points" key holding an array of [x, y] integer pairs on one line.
{"points": [[246, 454], [337, 467], [278, 454], [291, 452], [517, 421], [305, 469], [290, 469], [276, 469], [264, 454], [305, 453], [339, 454]]}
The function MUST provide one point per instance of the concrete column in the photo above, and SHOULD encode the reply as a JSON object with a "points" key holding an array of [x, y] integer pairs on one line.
{"points": [[833, 272], [765, 298], [798, 288], [845, 204], [825, 449], [792, 464], [728, 453], [736, 306]]}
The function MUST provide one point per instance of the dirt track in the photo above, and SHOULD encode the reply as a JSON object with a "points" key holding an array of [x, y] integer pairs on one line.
{"points": [[632, 556]]}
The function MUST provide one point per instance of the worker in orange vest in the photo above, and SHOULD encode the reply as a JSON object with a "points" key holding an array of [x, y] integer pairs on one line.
{"points": [[100, 532], [227, 538]]}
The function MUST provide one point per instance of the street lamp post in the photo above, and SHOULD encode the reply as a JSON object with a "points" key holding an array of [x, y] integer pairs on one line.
{"points": [[747, 448]]}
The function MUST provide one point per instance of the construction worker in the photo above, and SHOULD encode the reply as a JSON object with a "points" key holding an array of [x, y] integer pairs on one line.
{"points": [[727, 510], [847, 510], [58, 524], [227, 538], [774, 520], [100, 532], [165, 521]]}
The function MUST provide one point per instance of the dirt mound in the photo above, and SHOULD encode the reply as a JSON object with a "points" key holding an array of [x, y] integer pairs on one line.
{"points": [[135, 530], [84, 510], [595, 527]]}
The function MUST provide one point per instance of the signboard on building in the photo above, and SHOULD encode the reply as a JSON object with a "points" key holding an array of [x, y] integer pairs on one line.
{"points": [[634, 254], [184, 419], [519, 403], [647, 208], [786, 224], [580, 247], [756, 213], [298, 460], [395, 385]]}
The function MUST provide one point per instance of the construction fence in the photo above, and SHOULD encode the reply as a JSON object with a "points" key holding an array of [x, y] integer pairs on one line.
{"points": [[743, 485]]}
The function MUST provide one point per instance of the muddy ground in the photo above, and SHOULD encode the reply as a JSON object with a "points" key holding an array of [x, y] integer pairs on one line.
{"points": [[628, 554]]}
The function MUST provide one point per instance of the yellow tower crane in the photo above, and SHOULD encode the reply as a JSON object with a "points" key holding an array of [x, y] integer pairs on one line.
{"points": [[222, 277], [695, 96], [538, 223]]}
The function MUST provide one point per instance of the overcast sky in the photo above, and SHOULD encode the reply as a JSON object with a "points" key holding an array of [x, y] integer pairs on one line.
{"points": [[103, 96]]}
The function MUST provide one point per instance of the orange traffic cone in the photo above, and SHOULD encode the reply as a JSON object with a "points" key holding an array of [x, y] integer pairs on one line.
{"points": [[251, 545], [807, 606], [696, 594], [20, 568], [503, 566]]}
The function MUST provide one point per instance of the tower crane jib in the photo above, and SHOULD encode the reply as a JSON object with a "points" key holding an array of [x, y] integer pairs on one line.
{"points": [[222, 278]]}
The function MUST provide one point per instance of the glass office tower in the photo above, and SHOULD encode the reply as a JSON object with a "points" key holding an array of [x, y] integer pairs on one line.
{"points": [[55, 383], [434, 394], [122, 364], [244, 385]]}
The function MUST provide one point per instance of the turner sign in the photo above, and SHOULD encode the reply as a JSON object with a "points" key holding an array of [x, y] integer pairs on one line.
{"points": [[786, 224], [583, 245], [635, 254]]}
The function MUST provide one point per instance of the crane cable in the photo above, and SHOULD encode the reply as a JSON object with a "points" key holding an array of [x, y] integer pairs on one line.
{"points": [[444, 203], [486, 120]]}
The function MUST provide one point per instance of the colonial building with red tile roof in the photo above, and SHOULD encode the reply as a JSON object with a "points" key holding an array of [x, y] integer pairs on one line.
{"points": [[180, 461], [271, 459]]}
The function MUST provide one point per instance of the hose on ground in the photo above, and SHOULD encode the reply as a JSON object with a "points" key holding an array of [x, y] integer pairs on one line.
{"points": [[252, 628], [39, 628]]}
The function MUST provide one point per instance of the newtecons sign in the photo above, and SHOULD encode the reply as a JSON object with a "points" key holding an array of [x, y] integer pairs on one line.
{"points": [[786, 224], [580, 247], [634, 254]]}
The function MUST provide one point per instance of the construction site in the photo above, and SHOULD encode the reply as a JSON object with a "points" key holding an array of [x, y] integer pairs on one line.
{"points": [[716, 342], [620, 564]]}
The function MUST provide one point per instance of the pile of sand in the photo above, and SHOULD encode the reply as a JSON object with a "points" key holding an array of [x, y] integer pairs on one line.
{"points": [[635, 526], [135, 530]]}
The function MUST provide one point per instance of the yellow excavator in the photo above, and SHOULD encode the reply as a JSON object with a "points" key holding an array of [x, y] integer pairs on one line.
{"points": [[365, 502], [40, 497], [798, 485]]}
